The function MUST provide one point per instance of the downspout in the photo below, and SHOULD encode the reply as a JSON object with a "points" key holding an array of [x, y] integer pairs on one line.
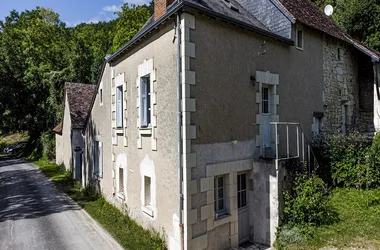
{"points": [[84, 154], [180, 164]]}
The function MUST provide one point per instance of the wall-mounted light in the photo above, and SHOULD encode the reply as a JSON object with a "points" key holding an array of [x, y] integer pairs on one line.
{"points": [[253, 80]]}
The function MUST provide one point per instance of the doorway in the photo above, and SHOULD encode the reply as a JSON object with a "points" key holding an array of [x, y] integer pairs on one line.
{"points": [[243, 208]]}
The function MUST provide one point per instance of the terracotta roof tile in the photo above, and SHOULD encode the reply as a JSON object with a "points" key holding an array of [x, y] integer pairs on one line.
{"points": [[306, 12], [79, 97]]}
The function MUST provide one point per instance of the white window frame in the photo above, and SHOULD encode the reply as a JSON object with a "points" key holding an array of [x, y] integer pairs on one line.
{"points": [[97, 163], [217, 201], [118, 184], [119, 107], [303, 38], [145, 102]]}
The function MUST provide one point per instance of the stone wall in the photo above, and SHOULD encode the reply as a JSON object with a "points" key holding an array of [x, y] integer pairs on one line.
{"points": [[340, 74]]}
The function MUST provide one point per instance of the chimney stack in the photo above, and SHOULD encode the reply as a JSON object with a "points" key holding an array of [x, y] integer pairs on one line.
{"points": [[160, 8]]}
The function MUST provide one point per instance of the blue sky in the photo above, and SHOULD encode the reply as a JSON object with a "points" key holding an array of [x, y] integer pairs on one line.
{"points": [[72, 12]]}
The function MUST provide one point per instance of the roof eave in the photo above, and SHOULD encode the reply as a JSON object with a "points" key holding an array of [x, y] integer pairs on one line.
{"points": [[182, 4], [283, 10], [368, 53]]}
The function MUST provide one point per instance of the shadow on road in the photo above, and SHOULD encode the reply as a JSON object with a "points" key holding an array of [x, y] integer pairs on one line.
{"points": [[26, 194], [8, 161]]}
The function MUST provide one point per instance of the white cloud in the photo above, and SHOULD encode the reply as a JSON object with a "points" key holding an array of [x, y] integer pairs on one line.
{"points": [[111, 8], [136, 2]]}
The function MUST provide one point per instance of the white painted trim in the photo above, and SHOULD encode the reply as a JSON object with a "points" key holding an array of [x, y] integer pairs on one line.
{"points": [[147, 169]]}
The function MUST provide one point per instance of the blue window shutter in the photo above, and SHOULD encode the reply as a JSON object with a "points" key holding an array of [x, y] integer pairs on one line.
{"points": [[144, 103]]}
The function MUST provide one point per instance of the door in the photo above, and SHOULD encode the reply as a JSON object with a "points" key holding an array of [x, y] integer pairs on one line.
{"points": [[243, 208], [265, 114]]}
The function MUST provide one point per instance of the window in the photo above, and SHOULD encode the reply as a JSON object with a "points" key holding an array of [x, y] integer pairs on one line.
{"points": [[299, 39], [97, 163], [316, 125], [242, 190], [339, 56], [147, 187], [345, 119], [121, 181], [101, 96], [145, 107], [265, 100], [220, 208], [119, 107]]}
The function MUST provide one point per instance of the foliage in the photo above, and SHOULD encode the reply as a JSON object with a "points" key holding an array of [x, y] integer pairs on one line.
{"points": [[348, 159], [360, 18], [306, 208], [373, 164], [321, 148], [38, 54], [122, 227], [307, 204], [48, 145], [358, 226], [131, 19]]}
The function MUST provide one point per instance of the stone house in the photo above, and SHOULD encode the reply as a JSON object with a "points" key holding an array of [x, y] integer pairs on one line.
{"points": [[69, 132], [194, 117]]}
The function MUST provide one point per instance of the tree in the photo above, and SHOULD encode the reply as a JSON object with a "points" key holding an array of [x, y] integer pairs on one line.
{"points": [[130, 20]]}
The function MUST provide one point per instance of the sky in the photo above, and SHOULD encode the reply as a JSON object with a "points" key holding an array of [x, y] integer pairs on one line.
{"points": [[72, 12]]}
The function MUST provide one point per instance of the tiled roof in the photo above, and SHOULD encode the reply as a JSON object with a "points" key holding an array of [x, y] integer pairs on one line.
{"points": [[79, 97], [306, 12], [58, 129]]}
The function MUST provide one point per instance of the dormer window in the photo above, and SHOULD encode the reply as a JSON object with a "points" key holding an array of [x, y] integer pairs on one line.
{"points": [[299, 38]]}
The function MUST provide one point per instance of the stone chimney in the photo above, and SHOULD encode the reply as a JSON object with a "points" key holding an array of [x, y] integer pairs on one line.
{"points": [[160, 8]]}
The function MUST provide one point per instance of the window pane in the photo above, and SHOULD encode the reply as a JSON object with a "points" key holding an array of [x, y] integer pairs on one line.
{"points": [[238, 184], [243, 198], [220, 182], [243, 182], [299, 38], [265, 107], [265, 94], [220, 193], [221, 205], [147, 190], [239, 200], [121, 180]]}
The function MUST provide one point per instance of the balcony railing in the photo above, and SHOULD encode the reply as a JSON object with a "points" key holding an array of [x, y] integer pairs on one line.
{"points": [[295, 146]]}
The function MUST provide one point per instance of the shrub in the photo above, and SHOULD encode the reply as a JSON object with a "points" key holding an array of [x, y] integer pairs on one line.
{"points": [[348, 159], [321, 148], [307, 204], [373, 164], [48, 145], [306, 207]]}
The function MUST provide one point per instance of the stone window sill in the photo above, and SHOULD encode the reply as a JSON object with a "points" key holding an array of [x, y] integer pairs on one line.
{"points": [[119, 131], [145, 131], [223, 219], [148, 211]]}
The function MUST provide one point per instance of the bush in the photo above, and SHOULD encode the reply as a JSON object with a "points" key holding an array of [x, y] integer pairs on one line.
{"points": [[307, 204], [348, 156], [373, 164], [321, 148], [306, 207], [47, 141]]}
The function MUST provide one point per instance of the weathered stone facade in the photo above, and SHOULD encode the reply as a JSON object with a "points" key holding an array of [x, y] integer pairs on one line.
{"points": [[341, 88]]}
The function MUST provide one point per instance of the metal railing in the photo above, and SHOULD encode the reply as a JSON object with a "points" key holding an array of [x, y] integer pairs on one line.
{"points": [[303, 149]]}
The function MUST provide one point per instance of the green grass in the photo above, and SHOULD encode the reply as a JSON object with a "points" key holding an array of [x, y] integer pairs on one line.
{"points": [[124, 229], [358, 226]]}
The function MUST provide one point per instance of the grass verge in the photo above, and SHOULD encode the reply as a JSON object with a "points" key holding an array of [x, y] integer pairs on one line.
{"points": [[359, 224], [123, 228]]}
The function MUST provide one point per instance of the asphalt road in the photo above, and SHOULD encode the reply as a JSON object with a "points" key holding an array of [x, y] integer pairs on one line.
{"points": [[34, 215]]}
